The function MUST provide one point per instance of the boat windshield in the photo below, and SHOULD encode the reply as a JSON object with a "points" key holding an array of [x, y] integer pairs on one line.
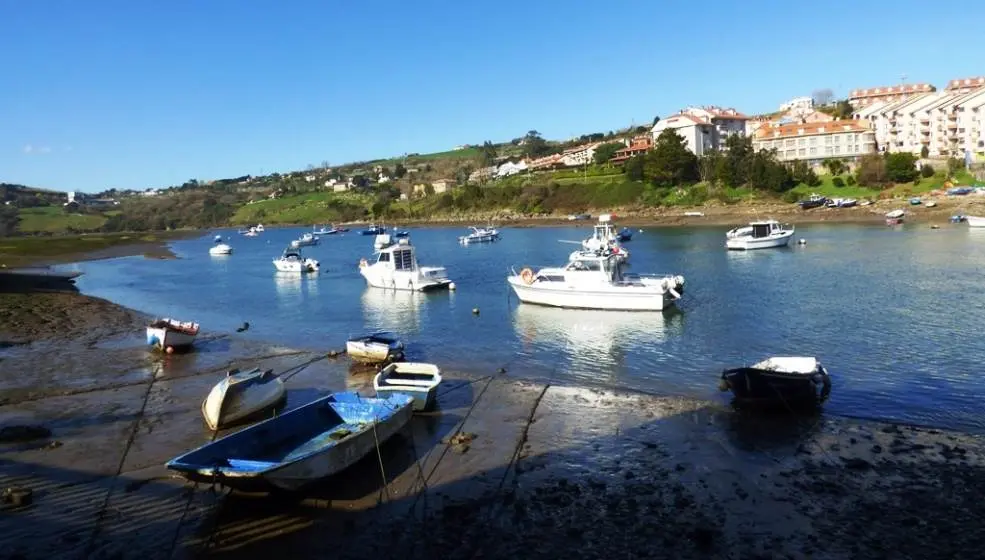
{"points": [[403, 259], [584, 265], [384, 257]]}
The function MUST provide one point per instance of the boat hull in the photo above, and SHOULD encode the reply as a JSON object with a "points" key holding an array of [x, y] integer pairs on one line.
{"points": [[417, 380], [975, 221], [222, 249], [405, 282], [748, 243], [761, 387], [625, 299], [164, 338], [309, 265], [241, 396], [373, 352]]}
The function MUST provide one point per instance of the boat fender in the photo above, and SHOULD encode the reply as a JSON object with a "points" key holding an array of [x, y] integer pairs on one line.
{"points": [[527, 276], [363, 263], [673, 293]]}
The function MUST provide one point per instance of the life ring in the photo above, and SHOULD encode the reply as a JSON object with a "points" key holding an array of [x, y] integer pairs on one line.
{"points": [[527, 276], [363, 263]]}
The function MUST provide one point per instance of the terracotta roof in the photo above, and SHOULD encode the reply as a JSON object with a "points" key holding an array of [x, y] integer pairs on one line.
{"points": [[977, 81], [889, 90], [808, 129], [726, 113], [581, 148]]}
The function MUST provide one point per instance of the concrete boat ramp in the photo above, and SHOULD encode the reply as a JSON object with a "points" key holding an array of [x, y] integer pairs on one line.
{"points": [[502, 469]]}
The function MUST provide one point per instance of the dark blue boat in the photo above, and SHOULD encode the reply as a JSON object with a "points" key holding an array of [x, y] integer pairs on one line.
{"points": [[625, 234], [401, 233], [373, 230], [780, 382]]}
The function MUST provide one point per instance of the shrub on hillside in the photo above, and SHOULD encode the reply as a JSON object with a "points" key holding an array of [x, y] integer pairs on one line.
{"points": [[901, 167], [871, 171], [850, 181], [791, 196], [838, 182]]}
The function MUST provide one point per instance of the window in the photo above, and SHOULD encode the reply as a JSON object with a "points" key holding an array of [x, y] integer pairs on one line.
{"points": [[827, 140], [813, 151], [384, 257], [789, 142], [802, 152], [837, 149], [801, 141], [813, 142]]}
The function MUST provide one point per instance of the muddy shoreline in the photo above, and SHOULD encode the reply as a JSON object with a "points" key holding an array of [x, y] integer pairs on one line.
{"points": [[552, 471]]}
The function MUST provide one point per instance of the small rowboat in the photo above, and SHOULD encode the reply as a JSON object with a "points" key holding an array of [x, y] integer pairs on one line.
{"points": [[418, 380], [785, 382], [376, 348], [170, 334], [242, 395]]}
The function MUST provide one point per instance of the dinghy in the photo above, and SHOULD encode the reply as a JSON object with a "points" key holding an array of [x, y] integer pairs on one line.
{"points": [[299, 447], [241, 395], [782, 381], [375, 348], [170, 335], [418, 380]]}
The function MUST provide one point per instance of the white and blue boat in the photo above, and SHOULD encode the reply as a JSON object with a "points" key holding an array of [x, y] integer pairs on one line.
{"points": [[375, 348], [297, 448], [419, 380]]}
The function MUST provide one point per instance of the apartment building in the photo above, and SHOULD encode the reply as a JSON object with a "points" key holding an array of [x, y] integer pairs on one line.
{"points": [[965, 85], [863, 97], [814, 142], [704, 128]]}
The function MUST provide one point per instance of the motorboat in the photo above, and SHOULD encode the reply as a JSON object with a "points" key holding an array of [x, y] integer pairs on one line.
{"points": [[759, 235], [323, 230], [373, 229], [895, 217], [293, 261], [396, 268], [401, 233], [480, 235], [625, 234], [841, 203], [306, 240], [299, 447], [596, 281], [252, 232], [605, 238], [415, 379], [958, 218], [382, 241], [694, 214], [960, 191], [259, 228], [814, 201], [170, 334], [784, 381], [242, 395], [220, 248], [975, 221], [376, 348]]}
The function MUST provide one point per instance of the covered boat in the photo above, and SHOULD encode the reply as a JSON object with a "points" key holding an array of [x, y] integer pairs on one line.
{"points": [[376, 348], [293, 261], [782, 381], [396, 268], [299, 447], [759, 235], [169, 334], [895, 217], [242, 395], [418, 380], [373, 229]]}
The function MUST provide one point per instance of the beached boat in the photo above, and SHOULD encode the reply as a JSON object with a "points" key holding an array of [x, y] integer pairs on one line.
{"points": [[915, 201], [376, 348], [895, 217], [396, 268], [242, 395], [596, 281], [814, 201], [841, 203], [298, 447], [783, 381], [293, 261], [306, 240], [480, 235], [415, 379], [694, 214], [169, 334], [960, 191], [759, 235], [975, 221], [930, 204]]}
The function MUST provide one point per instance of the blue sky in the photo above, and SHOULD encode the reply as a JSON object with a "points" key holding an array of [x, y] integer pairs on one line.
{"points": [[127, 94]]}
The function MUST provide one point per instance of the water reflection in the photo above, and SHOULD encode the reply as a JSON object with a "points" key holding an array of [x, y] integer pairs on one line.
{"points": [[288, 284], [392, 310]]}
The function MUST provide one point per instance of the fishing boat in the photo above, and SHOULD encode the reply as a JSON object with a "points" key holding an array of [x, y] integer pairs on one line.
{"points": [[373, 229], [596, 280], [895, 217], [930, 204], [604, 238], [975, 221], [220, 248], [306, 240], [299, 447], [170, 335], [293, 261], [814, 201], [382, 241], [841, 203], [418, 380], [242, 395], [396, 268], [323, 230], [784, 381], [376, 348], [480, 235], [759, 235]]}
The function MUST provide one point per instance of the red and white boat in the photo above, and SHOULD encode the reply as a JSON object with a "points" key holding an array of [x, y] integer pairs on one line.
{"points": [[170, 335]]}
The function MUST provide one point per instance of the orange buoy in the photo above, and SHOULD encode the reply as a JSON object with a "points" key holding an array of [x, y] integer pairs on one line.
{"points": [[169, 349], [527, 276]]}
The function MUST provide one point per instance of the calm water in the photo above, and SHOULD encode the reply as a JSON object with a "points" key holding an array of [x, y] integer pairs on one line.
{"points": [[895, 314]]}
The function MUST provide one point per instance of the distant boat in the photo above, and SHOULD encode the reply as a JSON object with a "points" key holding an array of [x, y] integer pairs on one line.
{"points": [[306, 240], [915, 201], [396, 268], [376, 348], [323, 230], [759, 235], [220, 248], [814, 201], [895, 217], [299, 447], [480, 235], [241, 395], [625, 234], [960, 191], [373, 230], [293, 261], [975, 221], [784, 381], [418, 380], [694, 214], [170, 334]]}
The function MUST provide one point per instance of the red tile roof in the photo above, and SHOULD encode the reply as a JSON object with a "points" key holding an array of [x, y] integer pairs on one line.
{"points": [[807, 129]]}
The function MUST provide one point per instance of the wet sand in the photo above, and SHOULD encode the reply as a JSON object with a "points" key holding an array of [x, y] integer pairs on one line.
{"points": [[552, 471]]}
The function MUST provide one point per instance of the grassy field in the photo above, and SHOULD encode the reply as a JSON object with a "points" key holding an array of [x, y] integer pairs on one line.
{"points": [[21, 251], [922, 186], [309, 208], [53, 219]]}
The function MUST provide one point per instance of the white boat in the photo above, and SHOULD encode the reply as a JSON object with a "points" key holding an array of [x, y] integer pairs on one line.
{"points": [[258, 228], [930, 204], [596, 281], [895, 217], [220, 248], [382, 241], [396, 268], [694, 214], [376, 348], [975, 221], [323, 230], [480, 235], [306, 240], [293, 261], [252, 232], [170, 334], [842, 203], [241, 395], [759, 235], [418, 380]]}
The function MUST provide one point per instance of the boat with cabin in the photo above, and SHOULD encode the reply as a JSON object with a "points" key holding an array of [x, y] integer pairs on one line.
{"points": [[814, 201], [480, 235], [415, 379], [373, 229], [220, 248], [293, 261], [792, 382], [375, 348], [759, 235], [306, 240], [323, 230], [895, 217], [170, 334], [396, 268], [242, 395], [605, 238], [596, 280], [294, 449]]}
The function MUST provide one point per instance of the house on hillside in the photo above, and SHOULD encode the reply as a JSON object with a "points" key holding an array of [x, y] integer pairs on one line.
{"points": [[443, 185], [847, 140], [637, 146], [579, 155], [552, 161], [482, 174], [703, 128], [511, 168]]}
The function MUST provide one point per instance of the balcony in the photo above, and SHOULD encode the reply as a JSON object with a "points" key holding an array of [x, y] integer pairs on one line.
{"points": [[924, 121], [952, 125], [925, 140]]}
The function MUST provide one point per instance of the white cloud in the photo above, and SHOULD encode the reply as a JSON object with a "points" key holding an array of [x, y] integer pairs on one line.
{"points": [[32, 149], [28, 148]]}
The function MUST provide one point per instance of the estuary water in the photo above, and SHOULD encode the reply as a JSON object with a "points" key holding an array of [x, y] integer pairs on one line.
{"points": [[895, 314]]}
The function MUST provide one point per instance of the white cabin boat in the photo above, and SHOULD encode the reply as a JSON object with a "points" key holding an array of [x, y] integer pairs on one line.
{"points": [[417, 380], [170, 334], [975, 221], [293, 261], [376, 348], [759, 235], [596, 281], [220, 248], [605, 238], [241, 395], [306, 240], [382, 241], [259, 228], [480, 235], [396, 268]]}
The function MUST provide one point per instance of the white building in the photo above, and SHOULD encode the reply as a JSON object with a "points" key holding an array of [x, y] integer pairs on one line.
{"points": [[703, 128], [863, 97], [805, 103], [579, 155], [814, 142], [482, 174], [510, 168]]}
